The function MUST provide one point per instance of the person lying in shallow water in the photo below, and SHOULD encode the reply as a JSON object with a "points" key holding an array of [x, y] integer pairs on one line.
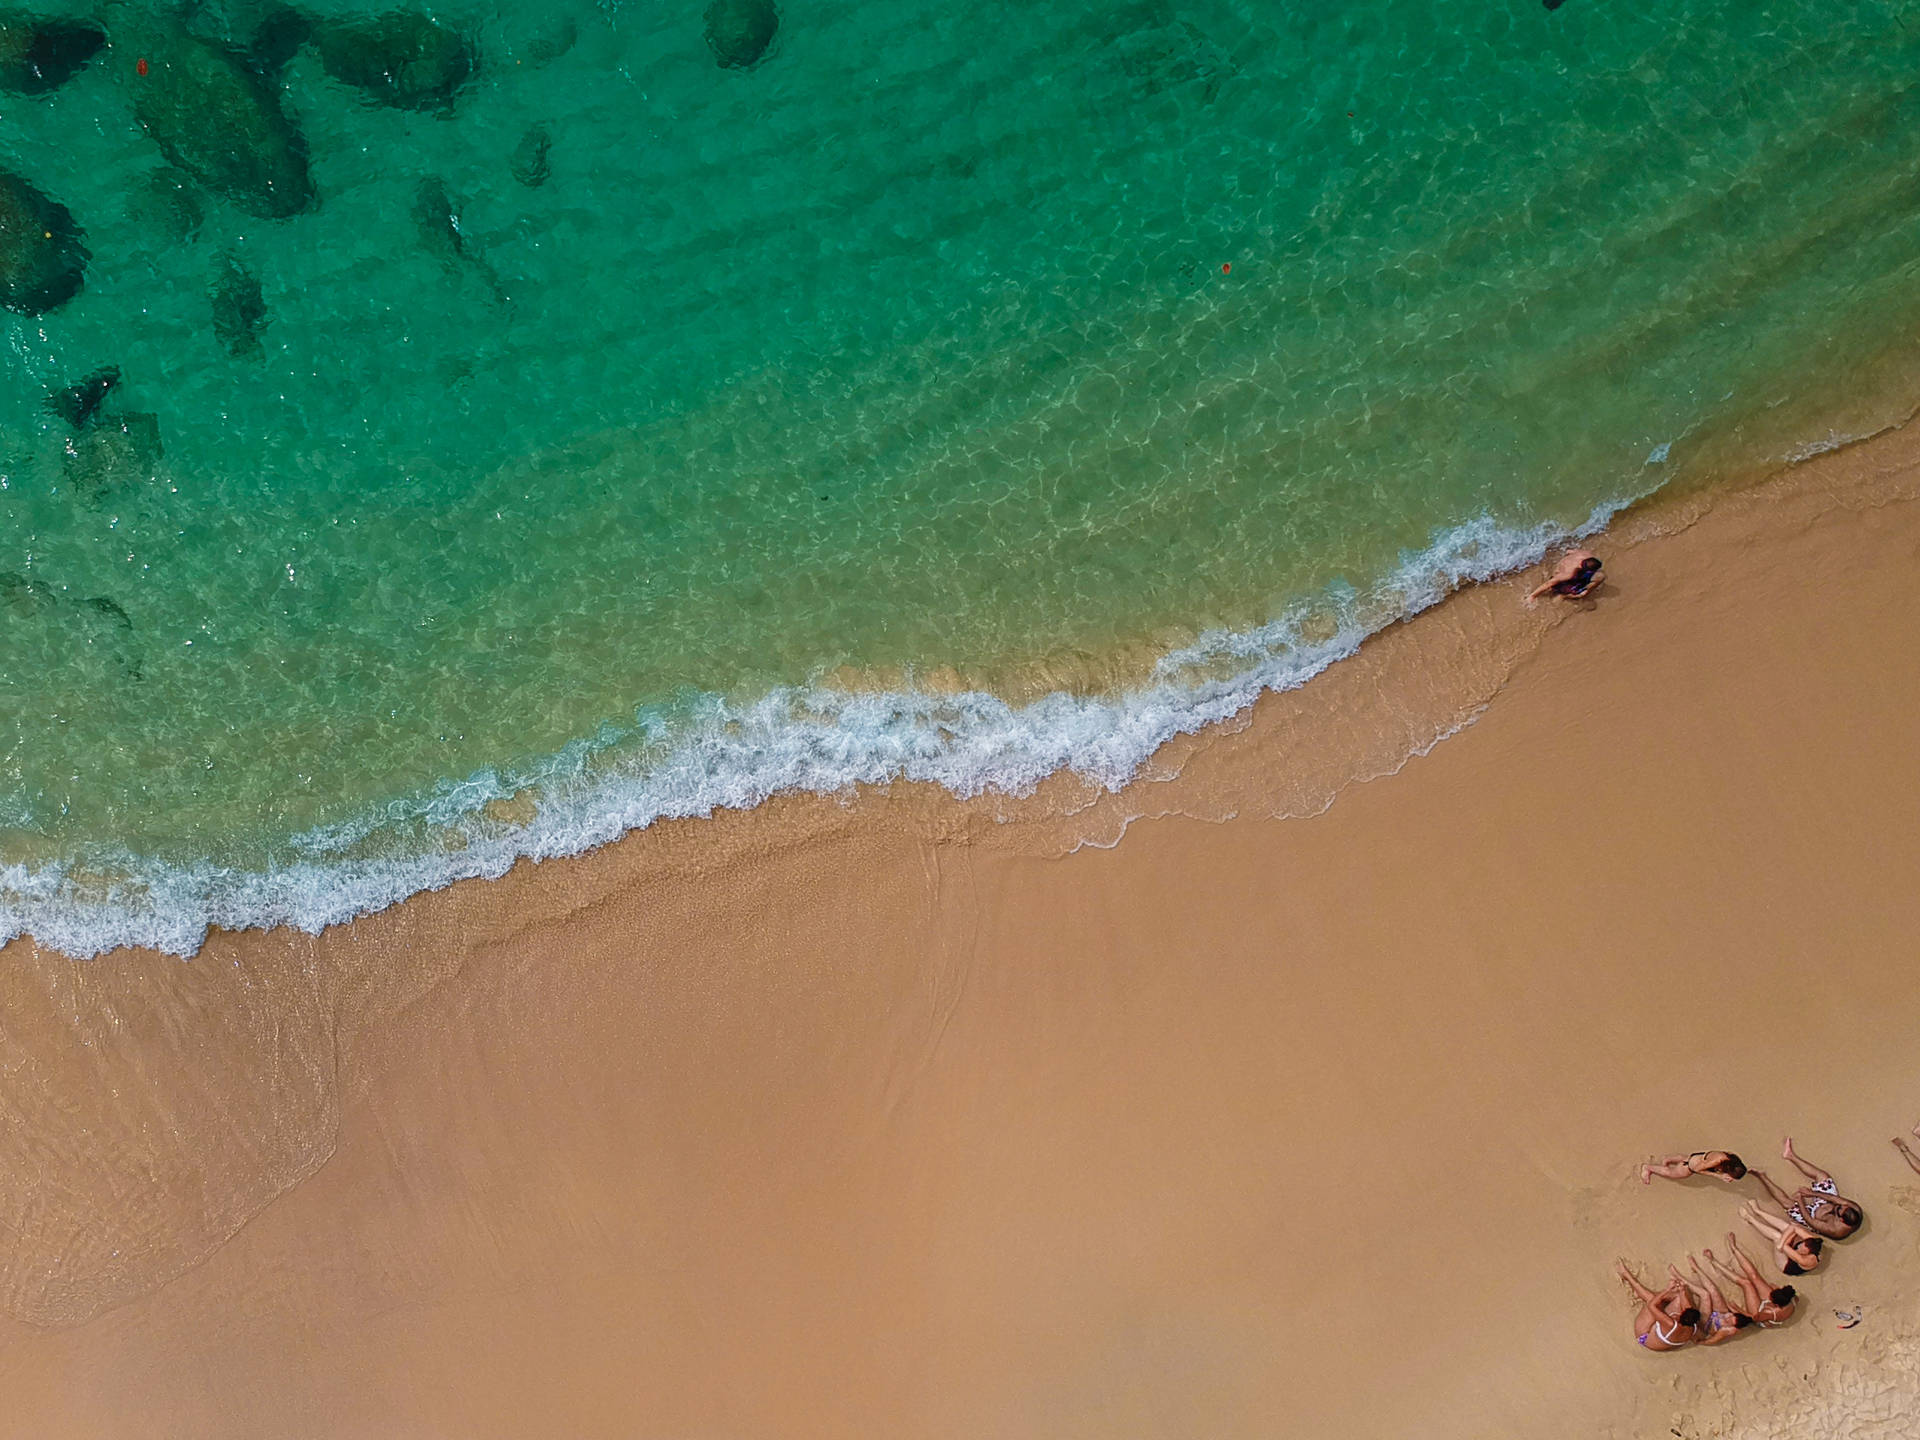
{"points": [[1819, 1207], [1577, 574], [1723, 1322], [1769, 1307], [1797, 1246], [1722, 1165], [1669, 1320]]}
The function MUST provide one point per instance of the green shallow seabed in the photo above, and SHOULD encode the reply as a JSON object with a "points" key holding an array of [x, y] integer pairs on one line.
{"points": [[913, 344]]}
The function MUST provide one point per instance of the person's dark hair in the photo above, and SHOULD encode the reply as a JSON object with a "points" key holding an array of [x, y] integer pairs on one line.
{"points": [[1813, 1245], [1589, 565], [1690, 1316], [1782, 1296], [1740, 1322], [1734, 1166], [1850, 1215], [1792, 1269]]}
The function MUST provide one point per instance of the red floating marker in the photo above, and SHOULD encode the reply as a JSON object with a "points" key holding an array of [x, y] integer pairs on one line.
{"points": [[1227, 269], [141, 65]]}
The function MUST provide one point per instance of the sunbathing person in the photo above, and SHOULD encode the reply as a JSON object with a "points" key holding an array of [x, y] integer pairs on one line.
{"points": [[1723, 1321], [1768, 1307], [1722, 1165], [1820, 1207], [1906, 1151], [1797, 1246], [1669, 1320], [1577, 574]]}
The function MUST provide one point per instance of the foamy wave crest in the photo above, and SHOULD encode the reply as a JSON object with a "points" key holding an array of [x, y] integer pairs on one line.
{"points": [[718, 755]]}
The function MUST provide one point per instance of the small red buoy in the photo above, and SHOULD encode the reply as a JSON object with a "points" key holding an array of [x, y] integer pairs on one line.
{"points": [[141, 65], [1227, 269]]}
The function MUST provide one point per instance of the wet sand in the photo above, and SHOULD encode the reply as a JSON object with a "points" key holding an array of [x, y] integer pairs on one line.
{"points": [[885, 1119]]}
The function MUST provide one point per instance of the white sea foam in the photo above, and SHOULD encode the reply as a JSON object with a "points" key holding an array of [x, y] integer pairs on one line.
{"points": [[723, 755]]}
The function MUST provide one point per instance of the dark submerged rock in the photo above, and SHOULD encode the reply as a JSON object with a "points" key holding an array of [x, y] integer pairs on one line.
{"points": [[278, 38], [239, 309], [76, 404], [554, 37], [43, 253], [168, 201], [113, 453], [404, 59], [529, 162], [26, 599], [739, 31], [38, 56], [108, 610], [437, 218], [220, 121]]}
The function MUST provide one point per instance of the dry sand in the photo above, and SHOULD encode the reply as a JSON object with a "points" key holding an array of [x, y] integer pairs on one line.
{"points": [[885, 1120]]}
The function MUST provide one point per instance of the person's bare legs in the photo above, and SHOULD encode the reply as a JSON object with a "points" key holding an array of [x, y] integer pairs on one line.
{"points": [[1748, 1269], [1715, 1300], [1812, 1172], [1773, 1229], [1774, 1192], [1649, 1298], [1674, 1167], [1750, 1290], [1906, 1153]]}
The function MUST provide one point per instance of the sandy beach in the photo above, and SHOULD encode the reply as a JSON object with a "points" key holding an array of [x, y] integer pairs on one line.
{"points": [[891, 1119]]}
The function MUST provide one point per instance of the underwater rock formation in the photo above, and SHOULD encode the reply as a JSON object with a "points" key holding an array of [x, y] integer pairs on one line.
{"points": [[168, 202], [43, 253], [403, 59], [97, 620], [553, 37], [113, 453], [529, 162], [220, 120], [239, 309], [76, 404], [278, 38], [739, 31], [26, 599], [437, 219], [37, 56]]}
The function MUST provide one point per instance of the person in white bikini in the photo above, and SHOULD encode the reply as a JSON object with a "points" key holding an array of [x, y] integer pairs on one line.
{"points": [[1770, 1308], [1668, 1320], [1819, 1206]]}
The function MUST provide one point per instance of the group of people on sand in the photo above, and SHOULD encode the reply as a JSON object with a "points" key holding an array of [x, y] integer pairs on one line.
{"points": [[1696, 1311]]}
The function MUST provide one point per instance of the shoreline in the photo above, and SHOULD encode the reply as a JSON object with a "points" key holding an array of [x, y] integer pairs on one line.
{"points": [[957, 1121], [1078, 730]]}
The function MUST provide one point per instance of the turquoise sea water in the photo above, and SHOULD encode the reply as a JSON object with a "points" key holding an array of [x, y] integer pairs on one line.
{"points": [[585, 424]]}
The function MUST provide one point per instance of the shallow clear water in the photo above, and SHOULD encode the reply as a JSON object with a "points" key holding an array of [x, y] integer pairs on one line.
{"points": [[1010, 340]]}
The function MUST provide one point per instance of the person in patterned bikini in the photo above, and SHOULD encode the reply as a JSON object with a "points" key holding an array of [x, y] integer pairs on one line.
{"points": [[1818, 1206]]}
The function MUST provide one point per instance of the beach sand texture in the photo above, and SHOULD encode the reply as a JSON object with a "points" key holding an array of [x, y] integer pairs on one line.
{"points": [[882, 1119]]}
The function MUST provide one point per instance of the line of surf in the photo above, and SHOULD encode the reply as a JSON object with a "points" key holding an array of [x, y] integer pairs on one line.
{"points": [[715, 754]]}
